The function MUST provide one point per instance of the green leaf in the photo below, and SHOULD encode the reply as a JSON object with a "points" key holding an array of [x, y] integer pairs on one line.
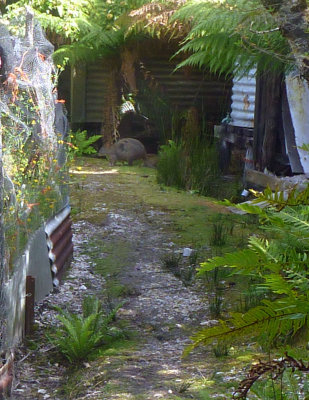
{"points": [[245, 260]]}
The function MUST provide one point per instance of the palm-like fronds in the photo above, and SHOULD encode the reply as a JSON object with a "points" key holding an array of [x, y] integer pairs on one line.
{"points": [[79, 335], [280, 262], [232, 36], [154, 19], [283, 317]]}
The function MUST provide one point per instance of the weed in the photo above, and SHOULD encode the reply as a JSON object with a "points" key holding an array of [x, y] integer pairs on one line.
{"points": [[184, 386], [220, 350], [171, 262], [219, 234], [188, 274], [170, 165], [203, 173], [215, 278], [215, 304], [204, 395], [250, 298], [193, 257]]}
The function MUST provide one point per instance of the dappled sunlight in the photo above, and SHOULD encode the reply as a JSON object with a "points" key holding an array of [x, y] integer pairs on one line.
{"points": [[169, 372], [86, 172]]}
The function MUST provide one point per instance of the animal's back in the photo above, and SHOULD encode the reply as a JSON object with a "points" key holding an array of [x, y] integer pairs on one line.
{"points": [[127, 149]]}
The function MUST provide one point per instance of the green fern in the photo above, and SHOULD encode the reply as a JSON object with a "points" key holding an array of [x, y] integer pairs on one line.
{"points": [[283, 317], [82, 144], [226, 37], [279, 262], [79, 335]]}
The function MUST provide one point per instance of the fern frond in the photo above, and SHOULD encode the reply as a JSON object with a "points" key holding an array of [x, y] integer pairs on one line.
{"points": [[225, 36], [71, 324], [277, 284], [275, 318], [281, 199], [296, 221], [243, 260]]}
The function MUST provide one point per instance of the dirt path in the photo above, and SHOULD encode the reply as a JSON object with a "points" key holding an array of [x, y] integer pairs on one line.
{"points": [[157, 307]]}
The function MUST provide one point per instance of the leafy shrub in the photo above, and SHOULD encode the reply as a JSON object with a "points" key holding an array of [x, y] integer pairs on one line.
{"points": [[81, 144], [78, 335], [279, 263]]}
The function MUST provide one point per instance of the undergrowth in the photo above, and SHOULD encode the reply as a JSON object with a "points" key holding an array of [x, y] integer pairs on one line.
{"points": [[193, 167], [80, 334], [274, 310]]}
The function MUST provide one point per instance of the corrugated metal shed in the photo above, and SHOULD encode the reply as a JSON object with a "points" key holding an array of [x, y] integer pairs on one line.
{"points": [[243, 100], [96, 79], [183, 89], [189, 87], [88, 87]]}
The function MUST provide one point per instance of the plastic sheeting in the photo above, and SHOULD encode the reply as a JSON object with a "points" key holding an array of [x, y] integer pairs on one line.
{"points": [[298, 98]]}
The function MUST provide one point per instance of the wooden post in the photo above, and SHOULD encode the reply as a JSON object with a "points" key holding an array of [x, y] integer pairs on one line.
{"points": [[29, 309]]}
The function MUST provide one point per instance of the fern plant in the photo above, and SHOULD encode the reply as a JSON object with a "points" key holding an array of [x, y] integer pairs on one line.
{"points": [[78, 335], [81, 144], [280, 263], [232, 36]]}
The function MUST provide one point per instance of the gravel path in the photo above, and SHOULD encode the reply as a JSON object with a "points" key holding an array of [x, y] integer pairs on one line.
{"points": [[159, 307]]}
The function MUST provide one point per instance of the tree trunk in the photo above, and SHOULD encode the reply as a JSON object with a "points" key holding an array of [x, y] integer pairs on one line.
{"points": [[129, 58], [292, 17], [267, 123], [110, 109]]}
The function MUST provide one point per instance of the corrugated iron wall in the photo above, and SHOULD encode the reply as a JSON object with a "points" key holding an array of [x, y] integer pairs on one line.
{"points": [[243, 100], [59, 241], [189, 87], [96, 78], [184, 88]]}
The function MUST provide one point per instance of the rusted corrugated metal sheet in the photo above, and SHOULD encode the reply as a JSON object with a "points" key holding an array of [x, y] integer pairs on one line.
{"points": [[243, 101], [190, 87], [59, 242], [96, 78]]}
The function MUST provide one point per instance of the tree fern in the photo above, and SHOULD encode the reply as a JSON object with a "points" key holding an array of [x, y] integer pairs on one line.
{"points": [[232, 36], [243, 260]]}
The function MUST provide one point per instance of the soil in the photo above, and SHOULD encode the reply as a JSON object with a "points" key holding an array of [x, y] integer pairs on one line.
{"points": [[159, 309]]}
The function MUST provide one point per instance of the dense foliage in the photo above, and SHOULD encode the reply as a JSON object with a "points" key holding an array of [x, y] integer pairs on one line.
{"points": [[277, 263], [232, 36], [84, 30]]}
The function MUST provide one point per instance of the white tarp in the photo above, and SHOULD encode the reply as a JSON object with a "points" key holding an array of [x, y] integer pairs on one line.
{"points": [[298, 98]]}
